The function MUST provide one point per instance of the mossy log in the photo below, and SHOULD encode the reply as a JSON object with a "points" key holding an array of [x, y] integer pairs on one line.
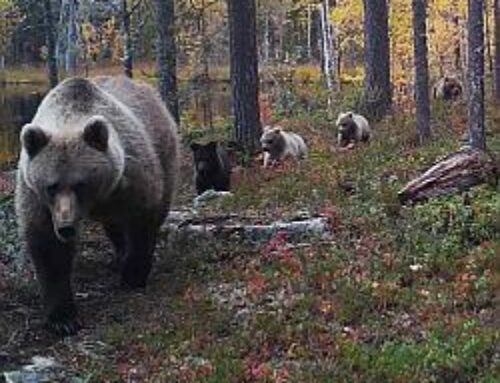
{"points": [[456, 173]]}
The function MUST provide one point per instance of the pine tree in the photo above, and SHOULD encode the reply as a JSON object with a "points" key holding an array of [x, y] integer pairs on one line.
{"points": [[166, 53], [475, 74], [244, 72], [421, 69], [378, 90]]}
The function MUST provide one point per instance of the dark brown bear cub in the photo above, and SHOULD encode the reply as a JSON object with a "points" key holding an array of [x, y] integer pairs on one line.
{"points": [[211, 167], [103, 149]]}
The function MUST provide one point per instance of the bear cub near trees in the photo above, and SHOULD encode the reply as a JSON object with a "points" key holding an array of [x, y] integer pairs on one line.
{"points": [[277, 144], [351, 128], [105, 149], [211, 167], [448, 89]]}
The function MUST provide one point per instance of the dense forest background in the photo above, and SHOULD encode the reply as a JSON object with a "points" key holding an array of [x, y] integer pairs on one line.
{"points": [[99, 34]]}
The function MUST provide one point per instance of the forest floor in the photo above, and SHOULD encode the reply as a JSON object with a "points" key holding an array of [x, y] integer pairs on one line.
{"points": [[399, 294]]}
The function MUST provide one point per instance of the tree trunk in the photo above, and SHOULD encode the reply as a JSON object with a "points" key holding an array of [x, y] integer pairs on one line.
{"points": [[316, 33], [72, 39], [487, 30], [309, 33], [325, 49], [166, 54], [128, 54], [244, 72], [51, 44], [378, 92], [206, 50], [61, 35], [458, 44], [497, 50], [421, 69], [267, 38], [475, 74]]}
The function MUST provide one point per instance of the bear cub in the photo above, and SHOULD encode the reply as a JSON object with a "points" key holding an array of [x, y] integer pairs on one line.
{"points": [[212, 168], [448, 89], [103, 149], [277, 144], [352, 128]]}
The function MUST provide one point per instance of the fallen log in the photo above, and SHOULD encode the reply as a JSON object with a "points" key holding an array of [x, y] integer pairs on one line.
{"points": [[456, 173], [186, 226]]}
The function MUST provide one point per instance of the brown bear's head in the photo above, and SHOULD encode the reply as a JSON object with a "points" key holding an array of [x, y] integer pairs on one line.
{"points": [[273, 141], [72, 169], [452, 89], [206, 158], [346, 128]]}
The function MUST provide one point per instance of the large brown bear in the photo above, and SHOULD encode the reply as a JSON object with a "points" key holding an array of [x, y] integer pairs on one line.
{"points": [[105, 149]]}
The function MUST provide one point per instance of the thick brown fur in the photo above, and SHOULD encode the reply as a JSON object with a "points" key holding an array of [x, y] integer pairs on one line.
{"points": [[448, 89], [104, 149]]}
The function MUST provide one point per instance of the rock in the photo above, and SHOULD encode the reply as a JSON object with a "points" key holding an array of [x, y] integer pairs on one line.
{"points": [[186, 225], [42, 369], [210, 195]]}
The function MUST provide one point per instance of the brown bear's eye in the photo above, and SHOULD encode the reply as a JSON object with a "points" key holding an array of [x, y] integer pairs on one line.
{"points": [[79, 187], [52, 189]]}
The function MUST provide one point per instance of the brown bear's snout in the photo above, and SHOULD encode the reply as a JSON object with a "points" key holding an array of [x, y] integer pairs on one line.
{"points": [[65, 215]]}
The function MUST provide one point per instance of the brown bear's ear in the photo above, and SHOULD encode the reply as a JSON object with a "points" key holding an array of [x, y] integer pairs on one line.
{"points": [[96, 133], [33, 139]]}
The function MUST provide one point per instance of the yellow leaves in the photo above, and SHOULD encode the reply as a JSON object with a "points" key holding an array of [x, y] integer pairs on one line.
{"points": [[9, 17], [347, 17], [445, 29]]}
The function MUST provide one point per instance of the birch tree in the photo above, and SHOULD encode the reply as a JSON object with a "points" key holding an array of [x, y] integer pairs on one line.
{"points": [[328, 56], [72, 38]]}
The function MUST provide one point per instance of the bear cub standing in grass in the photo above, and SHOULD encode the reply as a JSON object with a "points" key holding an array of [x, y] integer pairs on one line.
{"points": [[448, 89], [278, 144], [352, 128], [211, 167], [104, 149]]}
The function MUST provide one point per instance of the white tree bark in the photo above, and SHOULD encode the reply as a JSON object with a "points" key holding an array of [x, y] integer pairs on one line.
{"points": [[328, 62], [309, 32], [267, 39], [62, 35], [72, 39]]}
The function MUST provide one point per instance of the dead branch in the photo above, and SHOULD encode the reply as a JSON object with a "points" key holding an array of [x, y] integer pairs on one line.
{"points": [[456, 173]]}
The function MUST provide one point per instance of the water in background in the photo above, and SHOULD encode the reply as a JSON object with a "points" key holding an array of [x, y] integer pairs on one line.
{"points": [[18, 104]]}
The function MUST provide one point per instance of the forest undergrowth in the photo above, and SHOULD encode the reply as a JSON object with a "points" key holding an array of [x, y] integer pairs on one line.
{"points": [[400, 294]]}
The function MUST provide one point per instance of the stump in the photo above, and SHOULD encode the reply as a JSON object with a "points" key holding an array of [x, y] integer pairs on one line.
{"points": [[456, 173]]}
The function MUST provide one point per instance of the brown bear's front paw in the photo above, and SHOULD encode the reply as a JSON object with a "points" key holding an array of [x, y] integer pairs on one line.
{"points": [[135, 274], [64, 328], [132, 282], [115, 265], [63, 323]]}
